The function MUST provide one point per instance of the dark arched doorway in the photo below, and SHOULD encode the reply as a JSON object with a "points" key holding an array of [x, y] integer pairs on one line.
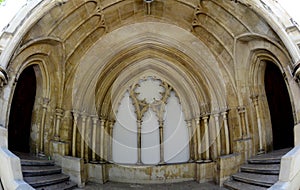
{"points": [[21, 111], [280, 108]]}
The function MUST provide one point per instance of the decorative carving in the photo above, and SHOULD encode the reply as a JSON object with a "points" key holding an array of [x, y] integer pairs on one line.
{"points": [[3, 78], [155, 100]]}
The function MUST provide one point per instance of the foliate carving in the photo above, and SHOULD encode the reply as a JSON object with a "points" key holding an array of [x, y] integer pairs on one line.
{"points": [[197, 11], [3, 78]]}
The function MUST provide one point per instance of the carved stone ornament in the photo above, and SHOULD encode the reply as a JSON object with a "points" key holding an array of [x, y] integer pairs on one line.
{"points": [[3, 78]]}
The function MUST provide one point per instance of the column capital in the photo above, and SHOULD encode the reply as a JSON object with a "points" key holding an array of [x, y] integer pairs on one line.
{"points": [[224, 113], [3, 78], [241, 109], [45, 102], [59, 112]]}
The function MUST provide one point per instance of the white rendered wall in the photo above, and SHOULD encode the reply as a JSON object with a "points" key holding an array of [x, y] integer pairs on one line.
{"points": [[124, 133], [176, 136], [150, 138]]}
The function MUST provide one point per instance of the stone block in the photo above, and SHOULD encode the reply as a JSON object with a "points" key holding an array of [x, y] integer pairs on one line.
{"points": [[297, 134], [227, 166], [3, 137], [97, 173], [74, 167], [205, 172]]}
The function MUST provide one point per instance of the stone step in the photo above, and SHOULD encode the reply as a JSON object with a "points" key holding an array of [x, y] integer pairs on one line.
{"points": [[256, 179], [40, 170], [236, 185], [269, 158], [31, 162], [261, 168], [67, 185], [38, 181]]}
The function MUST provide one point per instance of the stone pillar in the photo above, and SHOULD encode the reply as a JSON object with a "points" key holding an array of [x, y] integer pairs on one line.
{"points": [[87, 138], [102, 131], [198, 134], [139, 141], [94, 138], [226, 130], [161, 141], [259, 126], [206, 139], [111, 127], [42, 125], [59, 114], [83, 123], [190, 130], [194, 140], [242, 111], [75, 119], [217, 133]]}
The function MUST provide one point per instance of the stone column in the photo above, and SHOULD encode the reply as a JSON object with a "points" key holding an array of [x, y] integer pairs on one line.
{"points": [[102, 131], [88, 138], [42, 126], [206, 139], [226, 130], [161, 141], [111, 127], [198, 132], [139, 141], [259, 126], [75, 120], [190, 130], [83, 123], [194, 140], [217, 133], [59, 114], [94, 138], [242, 111]]}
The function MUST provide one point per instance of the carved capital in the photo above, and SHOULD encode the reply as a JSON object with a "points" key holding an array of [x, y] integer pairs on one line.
{"points": [[3, 78]]}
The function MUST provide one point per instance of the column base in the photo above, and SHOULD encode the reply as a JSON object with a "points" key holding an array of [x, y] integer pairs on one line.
{"points": [[261, 152]]}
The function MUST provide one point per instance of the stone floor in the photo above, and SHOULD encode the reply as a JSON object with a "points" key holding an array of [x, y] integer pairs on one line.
{"points": [[191, 185]]}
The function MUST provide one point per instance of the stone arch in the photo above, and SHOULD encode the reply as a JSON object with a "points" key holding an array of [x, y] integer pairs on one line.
{"points": [[263, 50], [40, 55]]}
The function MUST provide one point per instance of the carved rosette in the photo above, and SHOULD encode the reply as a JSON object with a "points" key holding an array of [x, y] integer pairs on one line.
{"points": [[144, 98]]}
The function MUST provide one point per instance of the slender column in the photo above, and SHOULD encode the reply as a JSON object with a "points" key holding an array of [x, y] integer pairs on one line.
{"points": [[88, 138], [42, 126], [59, 114], [111, 127], [206, 139], [161, 141], [94, 138], [139, 141], [218, 133], [189, 126], [259, 126], [75, 119], [195, 143], [242, 111], [102, 131], [226, 130], [198, 130], [83, 123]]}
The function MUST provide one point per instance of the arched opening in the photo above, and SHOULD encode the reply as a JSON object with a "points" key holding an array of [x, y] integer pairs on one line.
{"points": [[280, 107], [21, 111]]}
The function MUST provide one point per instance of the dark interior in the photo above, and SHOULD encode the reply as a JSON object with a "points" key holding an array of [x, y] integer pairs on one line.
{"points": [[21, 111], [280, 108]]}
